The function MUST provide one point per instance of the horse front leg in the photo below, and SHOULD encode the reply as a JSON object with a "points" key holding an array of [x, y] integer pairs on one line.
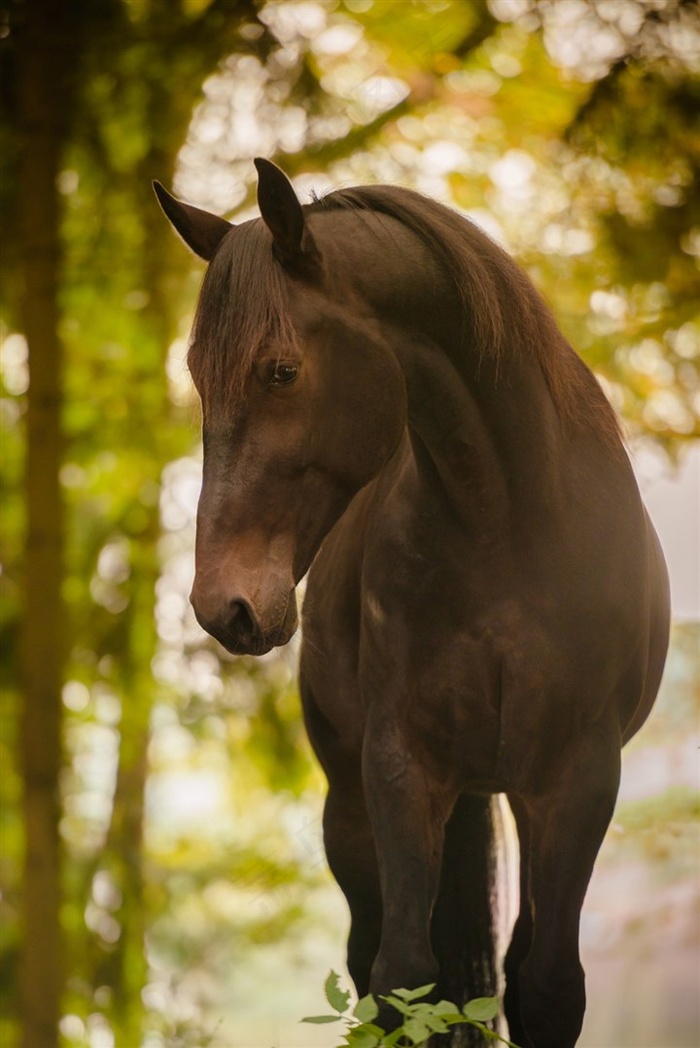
{"points": [[348, 838], [408, 810], [350, 850], [567, 823]]}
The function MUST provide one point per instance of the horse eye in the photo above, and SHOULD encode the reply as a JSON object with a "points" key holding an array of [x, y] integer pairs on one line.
{"points": [[282, 374]]}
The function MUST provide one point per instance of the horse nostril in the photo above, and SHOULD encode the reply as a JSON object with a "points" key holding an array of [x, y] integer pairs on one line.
{"points": [[240, 617], [230, 621]]}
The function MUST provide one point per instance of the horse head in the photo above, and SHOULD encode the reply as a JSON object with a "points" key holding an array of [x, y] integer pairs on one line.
{"points": [[303, 403]]}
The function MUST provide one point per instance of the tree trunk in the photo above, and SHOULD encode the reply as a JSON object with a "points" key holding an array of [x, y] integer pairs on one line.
{"points": [[42, 648]]}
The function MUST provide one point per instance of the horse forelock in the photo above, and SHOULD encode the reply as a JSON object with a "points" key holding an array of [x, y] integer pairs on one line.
{"points": [[243, 306]]}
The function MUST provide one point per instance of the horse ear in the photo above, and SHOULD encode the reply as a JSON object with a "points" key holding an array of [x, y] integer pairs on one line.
{"points": [[201, 231], [282, 214]]}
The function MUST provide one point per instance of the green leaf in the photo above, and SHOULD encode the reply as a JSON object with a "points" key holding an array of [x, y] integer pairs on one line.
{"points": [[365, 1036], [436, 1023], [401, 1006], [448, 1011], [366, 1009], [413, 995], [446, 1008], [425, 1014], [371, 1028], [337, 998], [482, 1008], [416, 1030], [390, 1039], [321, 1019]]}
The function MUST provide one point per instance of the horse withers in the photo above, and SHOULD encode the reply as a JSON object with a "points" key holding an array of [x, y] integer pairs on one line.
{"points": [[389, 406]]}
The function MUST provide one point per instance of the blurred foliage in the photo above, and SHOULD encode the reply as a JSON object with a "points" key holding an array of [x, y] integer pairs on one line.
{"points": [[190, 803], [663, 830], [657, 825]]}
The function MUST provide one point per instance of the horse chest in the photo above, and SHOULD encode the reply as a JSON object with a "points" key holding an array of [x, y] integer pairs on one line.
{"points": [[473, 697]]}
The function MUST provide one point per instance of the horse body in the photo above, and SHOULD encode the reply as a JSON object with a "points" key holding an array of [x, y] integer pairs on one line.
{"points": [[487, 606], [478, 621]]}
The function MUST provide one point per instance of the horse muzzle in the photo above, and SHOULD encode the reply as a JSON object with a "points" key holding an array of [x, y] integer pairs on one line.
{"points": [[244, 629]]}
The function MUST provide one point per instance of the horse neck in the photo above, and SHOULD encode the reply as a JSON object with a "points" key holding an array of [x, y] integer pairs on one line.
{"points": [[489, 436], [487, 433]]}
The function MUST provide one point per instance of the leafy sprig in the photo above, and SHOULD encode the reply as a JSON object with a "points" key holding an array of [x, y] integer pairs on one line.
{"points": [[421, 1019]]}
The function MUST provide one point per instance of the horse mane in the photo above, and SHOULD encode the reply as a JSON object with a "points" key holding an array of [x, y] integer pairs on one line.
{"points": [[504, 313], [244, 304]]}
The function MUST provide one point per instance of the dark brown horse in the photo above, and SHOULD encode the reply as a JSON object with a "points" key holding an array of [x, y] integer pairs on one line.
{"points": [[389, 406]]}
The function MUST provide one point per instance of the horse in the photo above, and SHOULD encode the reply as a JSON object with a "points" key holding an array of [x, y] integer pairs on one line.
{"points": [[390, 408]]}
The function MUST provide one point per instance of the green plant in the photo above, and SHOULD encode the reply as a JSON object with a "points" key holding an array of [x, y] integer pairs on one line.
{"points": [[420, 1019]]}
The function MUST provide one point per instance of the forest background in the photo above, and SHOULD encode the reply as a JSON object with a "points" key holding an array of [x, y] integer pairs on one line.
{"points": [[162, 874]]}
